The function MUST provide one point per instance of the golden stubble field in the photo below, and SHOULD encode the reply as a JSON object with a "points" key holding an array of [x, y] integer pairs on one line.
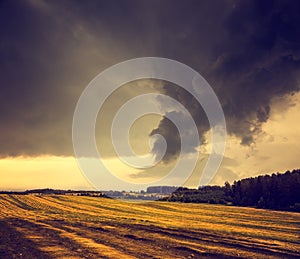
{"points": [[54, 226]]}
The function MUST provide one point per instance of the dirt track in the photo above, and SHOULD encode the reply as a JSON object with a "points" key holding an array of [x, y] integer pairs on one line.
{"points": [[78, 227]]}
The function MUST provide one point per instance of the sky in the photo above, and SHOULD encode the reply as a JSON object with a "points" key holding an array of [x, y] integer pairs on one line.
{"points": [[248, 51]]}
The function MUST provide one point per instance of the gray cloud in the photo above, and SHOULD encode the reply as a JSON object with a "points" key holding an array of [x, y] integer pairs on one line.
{"points": [[167, 129], [259, 60], [255, 59], [49, 52]]}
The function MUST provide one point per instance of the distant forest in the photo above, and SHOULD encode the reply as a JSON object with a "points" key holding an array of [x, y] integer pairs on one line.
{"points": [[48, 191], [276, 191]]}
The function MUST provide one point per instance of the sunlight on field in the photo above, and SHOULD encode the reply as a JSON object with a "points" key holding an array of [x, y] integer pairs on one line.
{"points": [[97, 227]]}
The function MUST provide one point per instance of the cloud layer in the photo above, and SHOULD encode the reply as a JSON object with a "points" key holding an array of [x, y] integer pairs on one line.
{"points": [[249, 51]]}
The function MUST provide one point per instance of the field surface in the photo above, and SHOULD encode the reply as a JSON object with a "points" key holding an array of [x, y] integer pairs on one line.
{"points": [[90, 227]]}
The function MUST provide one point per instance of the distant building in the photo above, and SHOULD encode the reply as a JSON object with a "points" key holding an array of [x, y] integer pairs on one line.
{"points": [[161, 189]]}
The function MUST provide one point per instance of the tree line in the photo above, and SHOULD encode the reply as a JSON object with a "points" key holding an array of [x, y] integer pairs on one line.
{"points": [[277, 191], [48, 191]]}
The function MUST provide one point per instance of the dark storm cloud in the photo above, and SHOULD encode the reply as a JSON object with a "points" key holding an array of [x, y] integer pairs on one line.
{"points": [[173, 140], [50, 50], [30, 101], [256, 58], [257, 61], [166, 127]]}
